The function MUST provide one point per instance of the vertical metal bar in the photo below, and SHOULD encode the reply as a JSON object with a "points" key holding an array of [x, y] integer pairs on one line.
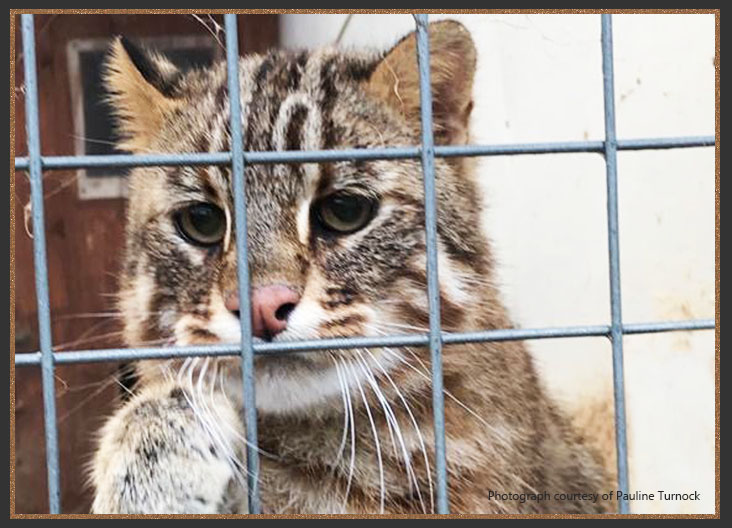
{"points": [[32, 127], [433, 288], [237, 174], [616, 328]]}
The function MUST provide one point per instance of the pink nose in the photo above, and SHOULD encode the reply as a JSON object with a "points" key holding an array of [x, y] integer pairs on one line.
{"points": [[271, 305]]}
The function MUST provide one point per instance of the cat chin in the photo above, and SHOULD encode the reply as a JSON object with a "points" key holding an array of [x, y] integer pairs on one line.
{"points": [[294, 383], [298, 383], [284, 386]]}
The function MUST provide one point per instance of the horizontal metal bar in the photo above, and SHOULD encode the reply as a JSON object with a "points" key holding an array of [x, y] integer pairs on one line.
{"points": [[261, 348], [128, 160], [668, 326], [315, 156], [666, 143]]}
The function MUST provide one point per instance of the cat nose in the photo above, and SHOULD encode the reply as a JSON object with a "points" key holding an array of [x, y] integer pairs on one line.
{"points": [[270, 305]]}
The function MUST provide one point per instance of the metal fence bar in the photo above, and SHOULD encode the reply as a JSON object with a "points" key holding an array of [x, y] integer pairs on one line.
{"points": [[240, 210], [616, 327], [669, 326], [32, 127], [666, 143], [314, 156], [314, 345], [433, 287]]}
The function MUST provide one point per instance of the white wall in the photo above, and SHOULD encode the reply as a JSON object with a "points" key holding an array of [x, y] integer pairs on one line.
{"points": [[539, 79]]}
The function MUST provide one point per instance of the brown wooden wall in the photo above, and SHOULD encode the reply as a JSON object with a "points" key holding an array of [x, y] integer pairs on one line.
{"points": [[84, 241]]}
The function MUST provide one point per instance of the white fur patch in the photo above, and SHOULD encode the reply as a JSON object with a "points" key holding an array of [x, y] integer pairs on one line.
{"points": [[450, 280], [303, 221], [225, 325], [287, 391]]}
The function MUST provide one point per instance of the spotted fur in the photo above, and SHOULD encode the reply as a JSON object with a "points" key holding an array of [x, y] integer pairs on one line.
{"points": [[345, 430]]}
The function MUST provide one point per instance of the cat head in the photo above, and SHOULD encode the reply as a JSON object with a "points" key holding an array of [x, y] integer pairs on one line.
{"points": [[335, 249]]}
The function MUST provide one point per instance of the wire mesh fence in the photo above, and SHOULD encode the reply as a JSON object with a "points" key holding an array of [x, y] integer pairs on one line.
{"points": [[35, 163]]}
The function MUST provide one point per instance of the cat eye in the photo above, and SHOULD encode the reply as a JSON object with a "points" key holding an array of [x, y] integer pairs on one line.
{"points": [[201, 223], [344, 213]]}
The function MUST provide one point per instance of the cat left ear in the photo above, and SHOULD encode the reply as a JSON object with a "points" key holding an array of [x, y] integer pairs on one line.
{"points": [[142, 90], [452, 68]]}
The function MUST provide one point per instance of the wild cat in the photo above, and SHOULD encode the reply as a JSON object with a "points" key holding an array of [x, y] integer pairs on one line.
{"points": [[335, 250]]}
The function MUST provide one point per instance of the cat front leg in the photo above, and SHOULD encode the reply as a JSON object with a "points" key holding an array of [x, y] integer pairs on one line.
{"points": [[170, 450]]}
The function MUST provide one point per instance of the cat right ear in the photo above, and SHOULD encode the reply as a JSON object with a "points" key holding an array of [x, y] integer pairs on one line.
{"points": [[142, 91], [453, 60]]}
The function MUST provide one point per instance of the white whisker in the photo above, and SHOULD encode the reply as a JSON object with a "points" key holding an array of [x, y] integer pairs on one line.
{"points": [[392, 420], [352, 464], [385, 324], [344, 436], [233, 430], [498, 434], [416, 428], [382, 400], [211, 426], [376, 439]]}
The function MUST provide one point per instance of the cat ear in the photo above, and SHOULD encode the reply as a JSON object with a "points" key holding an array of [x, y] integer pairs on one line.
{"points": [[142, 91], [452, 67]]}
